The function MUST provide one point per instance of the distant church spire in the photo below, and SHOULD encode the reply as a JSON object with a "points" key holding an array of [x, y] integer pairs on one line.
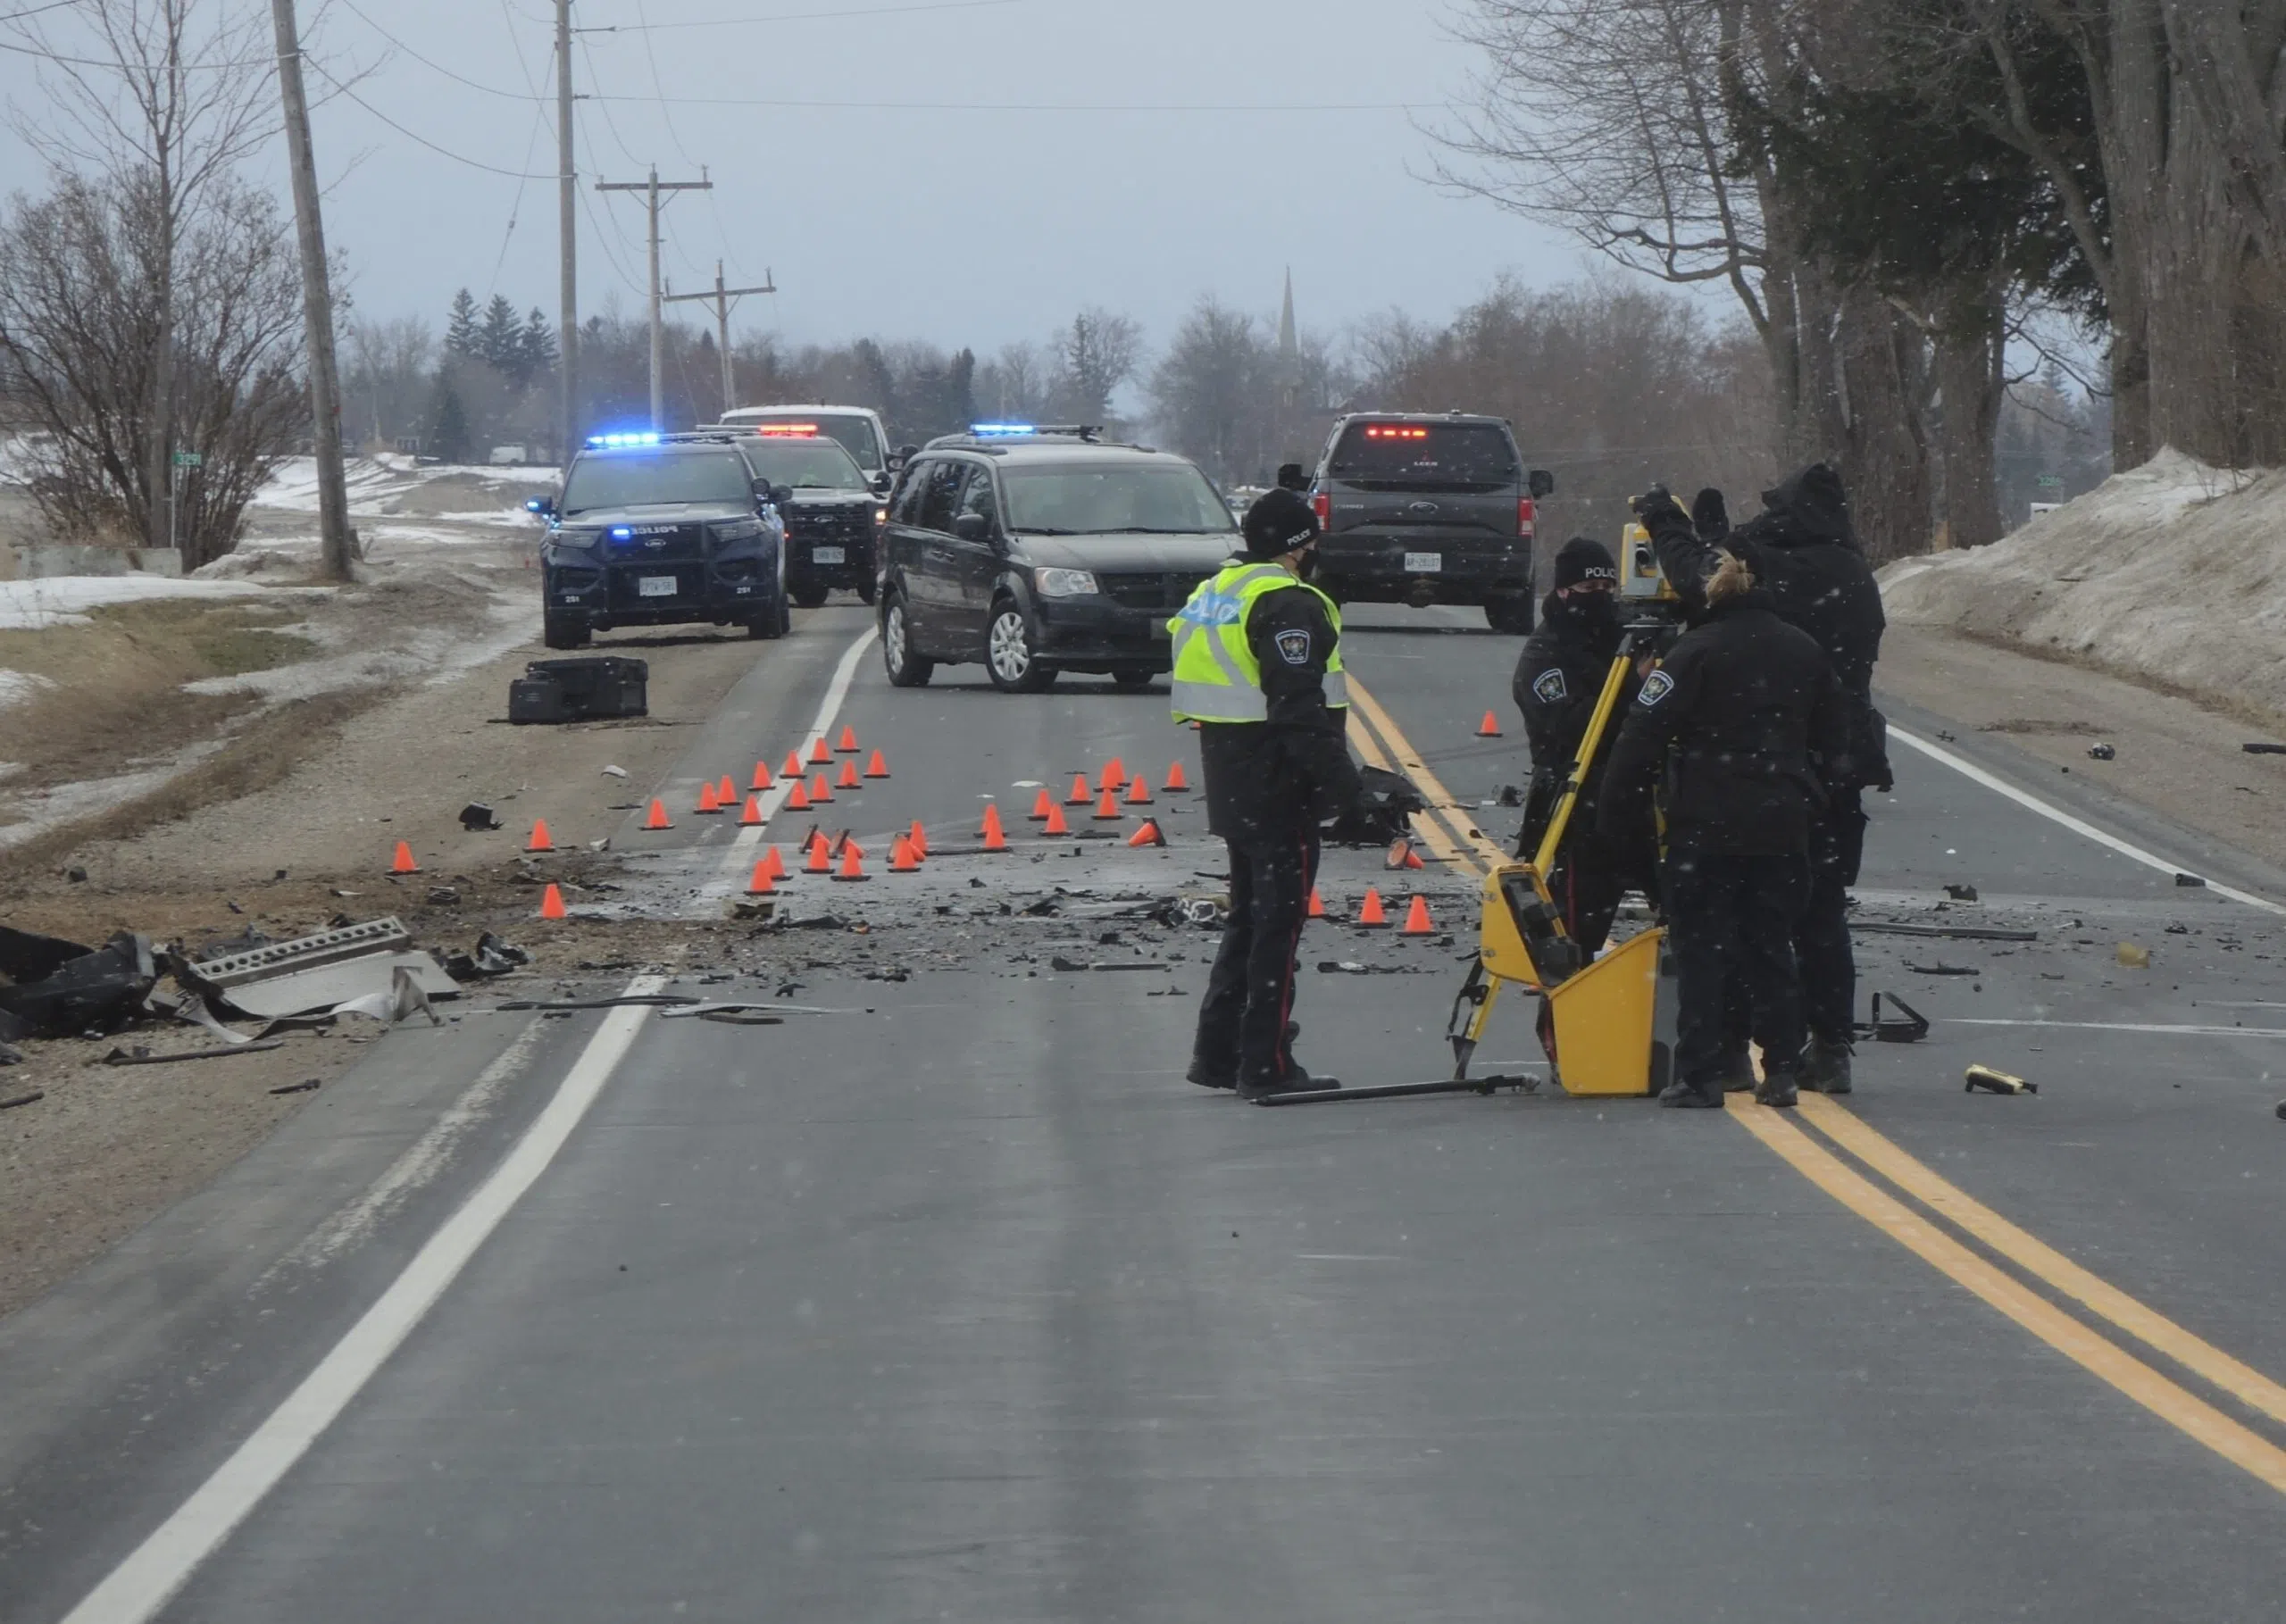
{"points": [[1289, 348]]}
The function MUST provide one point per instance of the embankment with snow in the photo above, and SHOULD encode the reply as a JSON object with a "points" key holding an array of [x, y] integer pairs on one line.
{"points": [[2173, 571]]}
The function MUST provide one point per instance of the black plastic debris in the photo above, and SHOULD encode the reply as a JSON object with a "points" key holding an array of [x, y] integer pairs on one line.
{"points": [[491, 957], [1961, 894], [91, 991], [303, 1086], [36, 1094], [27, 957], [1957, 933], [2101, 753], [2189, 881], [11, 1055], [1912, 1029], [1060, 962], [1941, 969], [141, 1054], [2262, 749], [476, 817], [1510, 795]]}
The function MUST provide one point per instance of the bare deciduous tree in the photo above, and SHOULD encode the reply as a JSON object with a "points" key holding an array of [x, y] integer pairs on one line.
{"points": [[1094, 356], [161, 98], [78, 319]]}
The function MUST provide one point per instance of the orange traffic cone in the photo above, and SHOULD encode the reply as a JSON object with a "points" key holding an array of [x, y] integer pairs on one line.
{"points": [[551, 904], [752, 816], [1370, 916], [820, 857], [1413, 856], [658, 818], [1108, 809], [1149, 834], [799, 801], [902, 860], [853, 865], [818, 752], [816, 837], [773, 864], [1176, 784], [849, 778], [764, 882], [761, 779], [1317, 904], [996, 838], [820, 791], [1401, 854], [1115, 774], [877, 767], [403, 864], [793, 767], [539, 842], [1489, 727], [706, 799], [848, 745], [1416, 918], [1041, 807], [1080, 793], [727, 793], [1055, 825], [1138, 791], [919, 836]]}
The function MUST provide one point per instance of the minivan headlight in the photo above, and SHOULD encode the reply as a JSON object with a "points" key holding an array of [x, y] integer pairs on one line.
{"points": [[1065, 583]]}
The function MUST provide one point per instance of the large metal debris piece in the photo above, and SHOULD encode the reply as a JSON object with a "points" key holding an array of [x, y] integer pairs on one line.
{"points": [[97, 991], [26, 957], [320, 971]]}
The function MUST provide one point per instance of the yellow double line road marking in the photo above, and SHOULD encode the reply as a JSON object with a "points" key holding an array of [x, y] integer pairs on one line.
{"points": [[1927, 1231]]}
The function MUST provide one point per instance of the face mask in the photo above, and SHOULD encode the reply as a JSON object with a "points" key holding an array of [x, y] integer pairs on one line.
{"points": [[1306, 568]]}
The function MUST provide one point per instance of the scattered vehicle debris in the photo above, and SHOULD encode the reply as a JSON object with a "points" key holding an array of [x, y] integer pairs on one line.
{"points": [[328, 969], [2262, 749], [141, 1054], [1058, 961], [653, 1000], [405, 998], [1960, 933], [491, 957], [1991, 1080], [11, 1055], [304, 1086], [1961, 894], [2189, 881], [1350, 967], [476, 817], [2101, 753], [14, 1100], [1941, 969], [2131, 957], [444, 897], [92, 990], [1912, 1028], [616, 772], [583, 689]]}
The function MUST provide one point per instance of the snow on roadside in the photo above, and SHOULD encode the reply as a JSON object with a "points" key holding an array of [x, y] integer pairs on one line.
{"points": [[379, 486], [2174, 569], [63, 600], [16, 686]]}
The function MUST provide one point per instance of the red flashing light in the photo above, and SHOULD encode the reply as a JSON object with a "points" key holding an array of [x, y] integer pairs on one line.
{"points": [[787, 431], [1394, 431], [1527, 517]]}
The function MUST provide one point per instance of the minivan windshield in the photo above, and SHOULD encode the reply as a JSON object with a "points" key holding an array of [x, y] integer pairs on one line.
{"points": [[854, 433], [1425, 454], [804, 464], [641, 479], [1155, 498]]}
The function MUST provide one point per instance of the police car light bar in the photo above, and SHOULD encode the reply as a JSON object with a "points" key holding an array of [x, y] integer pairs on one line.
{"points": [[787, 431], [1394, 431], [988, 431], [612, 442], [1005, 431]]}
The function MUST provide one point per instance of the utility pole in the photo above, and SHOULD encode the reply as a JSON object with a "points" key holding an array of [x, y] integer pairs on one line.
{"points": [[653, 188], [317, 300], [723, 297], [567, 189]]}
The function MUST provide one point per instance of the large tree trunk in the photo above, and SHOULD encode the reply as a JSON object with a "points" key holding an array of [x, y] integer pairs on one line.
{"points": [[2132, 117], [1884, 453], [1970, 385]]}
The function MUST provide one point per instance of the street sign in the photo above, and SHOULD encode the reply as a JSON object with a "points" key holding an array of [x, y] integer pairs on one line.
{"points": [[2050, 481], [190, 458]]}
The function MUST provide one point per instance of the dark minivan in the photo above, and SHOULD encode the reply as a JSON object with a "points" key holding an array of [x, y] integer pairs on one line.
{"points": [[1038, 552], [1424, 509]]}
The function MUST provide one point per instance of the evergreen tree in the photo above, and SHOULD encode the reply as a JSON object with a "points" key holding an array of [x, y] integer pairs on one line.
{"points": [[448, 435], [460, 326], [536, 348], [500, 340]]}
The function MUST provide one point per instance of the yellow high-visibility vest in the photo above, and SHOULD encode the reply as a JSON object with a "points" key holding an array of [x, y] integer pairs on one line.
{"points": [[1216, 677]]}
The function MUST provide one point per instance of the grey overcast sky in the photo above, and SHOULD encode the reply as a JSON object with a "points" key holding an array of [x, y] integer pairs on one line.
{"points": [[912, 173]]}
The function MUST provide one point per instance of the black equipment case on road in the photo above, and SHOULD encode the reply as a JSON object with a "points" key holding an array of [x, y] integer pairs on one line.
{"points": [[579, 690]]}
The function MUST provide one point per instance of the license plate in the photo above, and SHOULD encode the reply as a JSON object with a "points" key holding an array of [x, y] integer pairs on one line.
{"points": [[1424, 563], [829, 555], [657, 586]]}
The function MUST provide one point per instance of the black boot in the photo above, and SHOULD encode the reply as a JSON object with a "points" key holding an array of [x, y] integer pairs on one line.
{"points": [[1297, 1080], [1212, 1074], [1738, 1073], [1825, 1066], [1682, 1097], [1776, 1088]]}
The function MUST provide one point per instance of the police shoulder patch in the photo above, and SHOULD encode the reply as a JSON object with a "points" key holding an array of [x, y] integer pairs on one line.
{"points": [[1294, 647], [1656, 687], [1549, 687]]}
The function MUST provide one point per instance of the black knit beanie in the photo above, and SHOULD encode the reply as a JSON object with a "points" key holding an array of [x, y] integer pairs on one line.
{"points": [[1278, 521]]}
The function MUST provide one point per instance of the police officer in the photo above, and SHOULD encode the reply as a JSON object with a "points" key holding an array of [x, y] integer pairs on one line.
{"points": [[1803, 551], [1733, 721], [1257, 663], [1559, 678]]}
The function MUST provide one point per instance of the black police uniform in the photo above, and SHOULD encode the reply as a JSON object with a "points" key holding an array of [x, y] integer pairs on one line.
{"points": [[1804, 553], [1735, 717], [1559, 677], [1268, 787]]}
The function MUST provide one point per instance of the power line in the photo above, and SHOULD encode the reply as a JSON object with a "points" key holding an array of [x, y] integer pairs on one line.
{"points": [[1246, 107], [731, 22], [53, 6], [438, 67], [420, 140]]}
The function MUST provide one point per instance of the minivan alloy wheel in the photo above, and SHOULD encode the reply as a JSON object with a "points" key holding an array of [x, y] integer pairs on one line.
{"points": [[1008, 652]]}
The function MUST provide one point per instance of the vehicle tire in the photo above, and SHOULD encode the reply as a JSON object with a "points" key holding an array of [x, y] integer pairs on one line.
{"points": [[1511, 613], [907, 668], [1008, 657], [774, 621], [810, 598], [566, 631], [867, 590], [1133, 682]]}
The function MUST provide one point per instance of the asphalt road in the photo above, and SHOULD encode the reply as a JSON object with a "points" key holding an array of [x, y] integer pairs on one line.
{"points": [[958, 1302]]}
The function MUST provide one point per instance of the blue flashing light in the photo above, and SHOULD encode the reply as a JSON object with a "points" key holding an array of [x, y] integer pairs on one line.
{"points": [[620, 532], [988, 431], [614, 442]]}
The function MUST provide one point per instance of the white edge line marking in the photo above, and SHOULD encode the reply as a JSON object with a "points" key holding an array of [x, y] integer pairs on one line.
{"points": [[2108, 1025], [750, 835], [2078, 825], [140, 1587]]}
